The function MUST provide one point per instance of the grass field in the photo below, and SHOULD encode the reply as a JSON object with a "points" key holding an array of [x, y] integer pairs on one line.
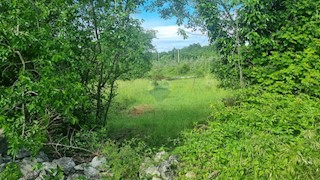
{"points": [[158, 112]]}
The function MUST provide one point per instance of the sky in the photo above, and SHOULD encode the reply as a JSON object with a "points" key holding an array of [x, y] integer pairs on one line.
{"points": [[167, 36]]}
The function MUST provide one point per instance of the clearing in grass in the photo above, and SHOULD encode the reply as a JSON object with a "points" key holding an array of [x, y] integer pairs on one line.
{"points": [[158, 111]]}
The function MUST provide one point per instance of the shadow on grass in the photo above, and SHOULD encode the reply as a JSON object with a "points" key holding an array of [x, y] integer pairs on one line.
{"points": [[160, 93]]}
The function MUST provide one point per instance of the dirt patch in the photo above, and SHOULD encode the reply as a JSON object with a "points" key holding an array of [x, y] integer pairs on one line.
{"points": [[141, 109]]}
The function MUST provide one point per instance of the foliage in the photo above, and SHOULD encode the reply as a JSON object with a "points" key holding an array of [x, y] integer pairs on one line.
{"points": [[11, 171], [59, 62], [188, 53], [193, 60], [283, 49], [268, 136], [125, 159]]}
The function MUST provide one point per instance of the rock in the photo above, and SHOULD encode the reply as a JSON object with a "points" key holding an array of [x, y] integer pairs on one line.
{"points": [[159, 156], [152, 171], [42, 175], [2, 166], [75, 177], [166, 168], [49, 166], [81, 167], [26, 168], [67, 164], [42, 157], [98, 161], [7, 159], [22, 154], [91, 173], [173, 159]]}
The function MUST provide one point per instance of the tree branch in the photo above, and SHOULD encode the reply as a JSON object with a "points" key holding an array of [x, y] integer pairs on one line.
{"points": [[68, 146]]}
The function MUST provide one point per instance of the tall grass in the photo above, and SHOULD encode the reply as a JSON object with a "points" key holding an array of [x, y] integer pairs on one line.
{"points": [[158, 111]]}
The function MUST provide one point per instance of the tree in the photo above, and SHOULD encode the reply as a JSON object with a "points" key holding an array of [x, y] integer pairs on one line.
{"points": [[270, 42], [283, 50], [59, 63], [220, 20]]}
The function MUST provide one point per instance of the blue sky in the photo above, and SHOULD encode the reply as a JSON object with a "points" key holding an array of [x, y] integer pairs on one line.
{"points": [[167, 32]]}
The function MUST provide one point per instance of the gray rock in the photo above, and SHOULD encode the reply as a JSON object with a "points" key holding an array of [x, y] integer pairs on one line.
{"points": [[91, 173], [67, 164], [160, 167], [7, 159], [26, 168], [98, 161], [42, 157], [75, 176], [159, 156], [49, 166], [166, 168], [42, 175], [152, 171], [81, 167], [173, 159], [2, 166], [22, 154]]}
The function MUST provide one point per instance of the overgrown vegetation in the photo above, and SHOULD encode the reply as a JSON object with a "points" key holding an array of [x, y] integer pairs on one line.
{"points": [[271, 131], [268, 136], [59, 63], [192, 60], [267, 49]]}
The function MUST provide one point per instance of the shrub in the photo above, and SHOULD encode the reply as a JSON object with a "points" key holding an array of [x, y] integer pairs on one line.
{"points": [[267, 136], [11, 171], [125, 159], [184, 69]]}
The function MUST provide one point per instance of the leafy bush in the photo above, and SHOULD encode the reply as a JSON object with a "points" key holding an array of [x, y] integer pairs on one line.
{"points": [[184, 69], [125, 159], [11, 171], [267, 136]]}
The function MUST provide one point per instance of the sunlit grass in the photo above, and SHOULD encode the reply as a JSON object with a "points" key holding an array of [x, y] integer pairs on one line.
{"points": [[158, 111]]}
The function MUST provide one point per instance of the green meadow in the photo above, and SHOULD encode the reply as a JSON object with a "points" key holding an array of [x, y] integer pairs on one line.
{"points": [[158, 111]]}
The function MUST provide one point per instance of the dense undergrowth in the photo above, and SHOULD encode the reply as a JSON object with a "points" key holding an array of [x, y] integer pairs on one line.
{"points": [[270, 49], [268, 136]]}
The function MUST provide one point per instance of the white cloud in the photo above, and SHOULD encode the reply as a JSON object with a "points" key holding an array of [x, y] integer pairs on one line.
{"points": [[168, 38]]}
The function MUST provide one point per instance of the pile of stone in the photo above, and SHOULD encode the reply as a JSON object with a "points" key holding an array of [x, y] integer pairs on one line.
{"points": [[162, 166], [40, 167]]}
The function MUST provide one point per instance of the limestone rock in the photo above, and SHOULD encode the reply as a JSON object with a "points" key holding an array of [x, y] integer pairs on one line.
{"points": [[67, 164], [26, 168], [159, 156], [81, 167], [91, 173], [98, 161], [42, 157], [152, 171]]}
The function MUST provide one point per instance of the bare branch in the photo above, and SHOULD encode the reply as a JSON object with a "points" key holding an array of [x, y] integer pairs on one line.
{"points": [[68, 146]]}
